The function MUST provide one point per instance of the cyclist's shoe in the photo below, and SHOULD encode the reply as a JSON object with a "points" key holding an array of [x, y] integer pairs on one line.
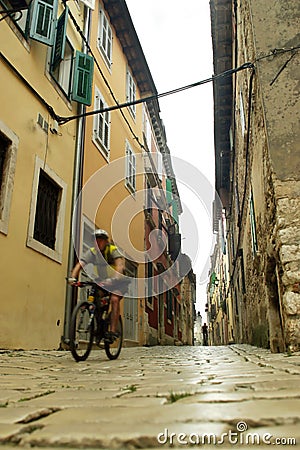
{"points": [[111, 336], [98, 338]]}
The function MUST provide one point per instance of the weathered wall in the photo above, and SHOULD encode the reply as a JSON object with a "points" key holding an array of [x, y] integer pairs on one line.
{"points": [[276, 27], [266, 167]]}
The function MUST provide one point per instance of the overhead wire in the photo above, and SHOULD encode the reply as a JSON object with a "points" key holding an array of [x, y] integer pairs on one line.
{"points": [[62, 120]]}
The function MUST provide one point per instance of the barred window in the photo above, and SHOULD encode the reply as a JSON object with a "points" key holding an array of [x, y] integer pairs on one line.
{"points": [[46, 211], [8, 156], [3, 154], [130, 179], [169, 305]]}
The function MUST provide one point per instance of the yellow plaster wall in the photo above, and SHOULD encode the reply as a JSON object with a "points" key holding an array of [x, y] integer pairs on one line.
{"points": [[32, 284], [119, 133]]}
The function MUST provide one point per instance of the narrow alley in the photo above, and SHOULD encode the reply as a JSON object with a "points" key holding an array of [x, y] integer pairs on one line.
{"points": [[151, 397]]}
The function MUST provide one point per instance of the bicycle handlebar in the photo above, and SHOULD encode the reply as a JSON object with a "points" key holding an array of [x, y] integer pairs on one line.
{"points": [[105, 285], [84, 283]]}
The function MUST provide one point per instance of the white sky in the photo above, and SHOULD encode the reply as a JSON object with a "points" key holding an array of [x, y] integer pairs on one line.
{"points": [[176, 40]]}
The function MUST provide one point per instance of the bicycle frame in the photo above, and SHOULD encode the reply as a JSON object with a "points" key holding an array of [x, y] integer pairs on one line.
{"points": [[82, 327]]}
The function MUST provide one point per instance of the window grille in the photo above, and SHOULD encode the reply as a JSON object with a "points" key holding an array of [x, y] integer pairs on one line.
{"points": [[149, 288], [130, 168], [169, 305], [46, 211], [3, 153]]}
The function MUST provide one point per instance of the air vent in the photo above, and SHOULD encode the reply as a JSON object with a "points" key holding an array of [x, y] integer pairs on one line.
{"points": [[42, 123]]}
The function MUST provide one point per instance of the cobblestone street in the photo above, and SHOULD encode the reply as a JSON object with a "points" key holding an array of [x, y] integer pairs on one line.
{"points": [[150, 398]]}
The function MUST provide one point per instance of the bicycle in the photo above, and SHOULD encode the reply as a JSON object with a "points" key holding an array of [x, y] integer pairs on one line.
{"points": [[91, 319]]}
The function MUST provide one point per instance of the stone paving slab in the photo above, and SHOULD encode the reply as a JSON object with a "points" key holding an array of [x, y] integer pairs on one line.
{"points": [[139, 435], [50, 401]]}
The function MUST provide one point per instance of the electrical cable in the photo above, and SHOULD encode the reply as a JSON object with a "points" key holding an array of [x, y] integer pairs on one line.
{"points": [[62, 120], [278, 51]]}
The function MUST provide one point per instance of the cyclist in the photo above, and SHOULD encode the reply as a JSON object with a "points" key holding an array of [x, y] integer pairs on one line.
{"points": [[108, 264]]}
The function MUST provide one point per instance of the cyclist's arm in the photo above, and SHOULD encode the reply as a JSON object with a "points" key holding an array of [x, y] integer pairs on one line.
{"points": [[119, 266], [77, 268]]}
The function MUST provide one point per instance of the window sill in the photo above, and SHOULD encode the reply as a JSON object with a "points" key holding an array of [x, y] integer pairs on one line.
{"points": [[41, 248]]}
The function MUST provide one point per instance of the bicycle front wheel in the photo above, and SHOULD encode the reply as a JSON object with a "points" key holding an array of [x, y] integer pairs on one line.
{"points": [[113, 350], [81, 331]]}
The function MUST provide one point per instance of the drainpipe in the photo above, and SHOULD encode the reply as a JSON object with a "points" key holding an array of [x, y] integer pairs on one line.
{"points": [[74, 242]]}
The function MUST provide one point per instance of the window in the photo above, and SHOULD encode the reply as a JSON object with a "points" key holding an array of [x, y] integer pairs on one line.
{"points": [[149, 198], [62, 71], [253, 226], [64, 67], [87, 242], [105, 38], [149, 283], [101, 133], [3, 153], [146, 127], [130, 168], [169, 305], [8, 155], [131, 92], [42, 21], [47, 211], [88, 239]]}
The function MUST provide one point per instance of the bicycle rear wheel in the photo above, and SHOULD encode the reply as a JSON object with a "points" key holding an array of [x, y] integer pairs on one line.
{"points": [[81, 331], [113, 350]]}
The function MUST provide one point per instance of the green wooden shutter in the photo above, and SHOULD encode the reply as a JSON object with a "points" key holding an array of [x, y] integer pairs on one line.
{"points": [[169, 190], [43, 14], [60, 39], [82, 79]]}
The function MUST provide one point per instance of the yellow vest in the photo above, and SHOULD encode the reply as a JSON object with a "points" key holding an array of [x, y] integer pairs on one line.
{"points": [[109, 249]]}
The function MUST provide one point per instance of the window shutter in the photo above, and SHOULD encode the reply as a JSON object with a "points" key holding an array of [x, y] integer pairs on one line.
{"points": [[60, 39], [43, 16], [169, 190], [82, 79]]}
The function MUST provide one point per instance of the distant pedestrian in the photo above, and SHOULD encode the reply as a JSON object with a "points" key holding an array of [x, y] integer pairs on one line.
{"points": [[205, 334]]}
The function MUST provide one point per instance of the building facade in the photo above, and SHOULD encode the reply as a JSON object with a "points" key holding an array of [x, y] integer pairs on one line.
{"points": [[36, 168], [257, 165], [219, 304], [170, 285], [74, 157], [112, 174]]}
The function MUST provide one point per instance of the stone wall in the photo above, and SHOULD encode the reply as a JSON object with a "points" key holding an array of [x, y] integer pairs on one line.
{"points": [[276, 27], [287, 238], [266, 167]]}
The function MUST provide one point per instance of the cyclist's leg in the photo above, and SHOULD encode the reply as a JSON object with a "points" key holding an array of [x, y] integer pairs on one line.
{"points": [[115, 310], [99, 294]]}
